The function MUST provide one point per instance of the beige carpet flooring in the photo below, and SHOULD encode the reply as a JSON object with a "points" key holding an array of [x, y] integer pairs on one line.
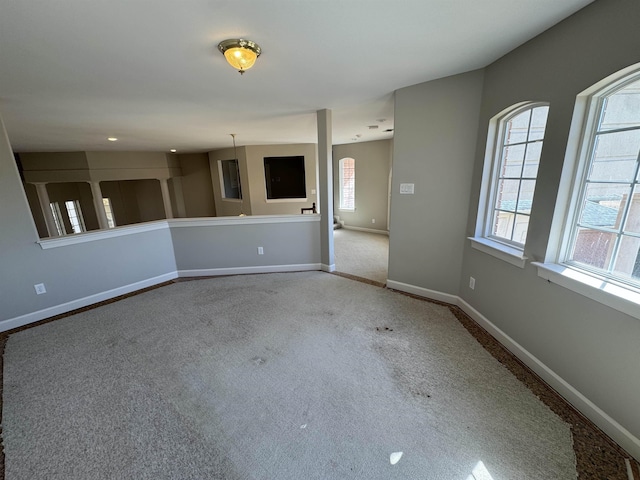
{"points": [[277, 376], [361, 254]]}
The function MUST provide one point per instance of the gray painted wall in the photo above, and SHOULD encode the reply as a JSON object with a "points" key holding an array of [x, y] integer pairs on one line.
{"points": [[373, 167], [129, 179], [34, 204], [69, 272], [230, 207], [149, 199], [254, 193], [592, 347], [97, 166], [77, 273], [255, 167], [197, 189], [122, 195], [434, 148], [437, 124], [236, 246], [62, 192], [133, 201]]}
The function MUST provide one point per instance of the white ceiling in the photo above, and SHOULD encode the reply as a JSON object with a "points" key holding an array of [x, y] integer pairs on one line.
{"points": [[73, 72]]}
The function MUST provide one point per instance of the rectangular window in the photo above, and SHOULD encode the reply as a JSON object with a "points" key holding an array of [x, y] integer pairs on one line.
{"points": [[75, 216], [347, 184], [111, 219], [230, 179], [57, 218], [285, 177]]}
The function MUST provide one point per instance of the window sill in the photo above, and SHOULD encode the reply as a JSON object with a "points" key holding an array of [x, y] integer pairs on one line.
{"points": [[232, 200], [350, 210], [499, 250], [623, 299]]}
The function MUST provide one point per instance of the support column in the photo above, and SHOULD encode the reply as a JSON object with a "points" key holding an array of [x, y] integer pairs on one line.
{"points": [[96, 192], [176, 183], [166, 198], [325, 171], [43, 198]]}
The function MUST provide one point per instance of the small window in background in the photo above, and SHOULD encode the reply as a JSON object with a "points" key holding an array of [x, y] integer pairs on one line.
{"points": [[230, 179], [111, 219], [75, 216], [57, 218], [516, 160], [347, 184]]}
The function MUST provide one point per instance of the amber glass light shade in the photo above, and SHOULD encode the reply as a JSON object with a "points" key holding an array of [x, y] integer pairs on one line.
{"points": [[240, 53], [240, 58]]}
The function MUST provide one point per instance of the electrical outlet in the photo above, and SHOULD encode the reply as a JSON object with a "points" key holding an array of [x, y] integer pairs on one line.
{"points": [[40, 288], [373, 220], [472, 283], [260, 251]]}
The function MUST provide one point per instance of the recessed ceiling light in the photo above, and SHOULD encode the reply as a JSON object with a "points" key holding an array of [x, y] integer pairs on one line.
{"points": [[380, 120], [173, 150], [112, 139], [373, 127]]}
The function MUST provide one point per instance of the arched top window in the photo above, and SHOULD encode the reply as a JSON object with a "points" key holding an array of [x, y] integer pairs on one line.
{"points": [[514, 147], [602, 232]]}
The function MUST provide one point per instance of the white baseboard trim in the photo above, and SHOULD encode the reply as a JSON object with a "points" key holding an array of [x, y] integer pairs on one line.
{"points": [[49, 312], [621, 435], [617, 432], [362, 229], [213, 272], [83, 302], [423, 292], [328, 268]]}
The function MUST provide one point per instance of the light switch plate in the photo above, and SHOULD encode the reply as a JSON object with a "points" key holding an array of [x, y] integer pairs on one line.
{"points": [[406, 188]]}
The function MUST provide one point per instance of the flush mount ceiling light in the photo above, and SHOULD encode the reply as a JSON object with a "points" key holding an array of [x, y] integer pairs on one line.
{"points": [[240, 53]]}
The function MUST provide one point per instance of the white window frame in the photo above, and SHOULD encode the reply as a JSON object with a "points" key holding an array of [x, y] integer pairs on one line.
{"points": [[484, 240], [108, 211], [343, 207], [74, 212], [57, 218], [223, 191], [613, 293]]}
